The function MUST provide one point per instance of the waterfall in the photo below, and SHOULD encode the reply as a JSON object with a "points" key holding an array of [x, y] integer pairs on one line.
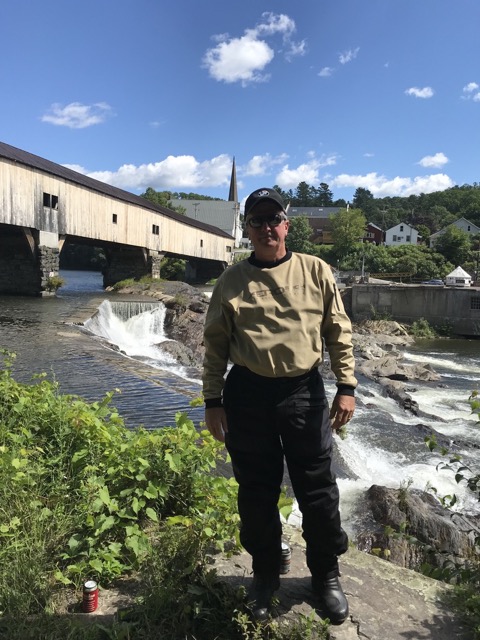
{"points": [[136, 329]]}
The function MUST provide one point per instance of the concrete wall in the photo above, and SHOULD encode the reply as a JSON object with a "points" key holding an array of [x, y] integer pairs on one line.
{"points": [[440, 306]]}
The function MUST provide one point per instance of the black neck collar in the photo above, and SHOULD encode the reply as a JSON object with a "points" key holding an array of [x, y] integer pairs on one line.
{"points": [[268, 265]]}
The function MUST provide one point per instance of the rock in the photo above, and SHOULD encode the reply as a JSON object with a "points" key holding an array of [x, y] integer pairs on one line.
{"points": [[396, 390], [181, 353], [387, 602], [444, 537]]}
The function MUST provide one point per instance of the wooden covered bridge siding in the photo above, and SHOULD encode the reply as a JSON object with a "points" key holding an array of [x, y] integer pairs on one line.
{"points": [[44, 205]]}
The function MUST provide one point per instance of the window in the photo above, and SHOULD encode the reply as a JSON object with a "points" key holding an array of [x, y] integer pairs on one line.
{"points": [[155, 229], [401, 227], [475, 303], [114, 218], [228, 248], [50, 201], [394, 239], [408, 238], [201, 243]]}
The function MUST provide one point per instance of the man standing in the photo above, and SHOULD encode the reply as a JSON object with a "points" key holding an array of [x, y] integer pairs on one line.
{"points": [[270, 316]]}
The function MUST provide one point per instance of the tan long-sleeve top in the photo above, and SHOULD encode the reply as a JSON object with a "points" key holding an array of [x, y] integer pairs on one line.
{"points": [[273, 320]]}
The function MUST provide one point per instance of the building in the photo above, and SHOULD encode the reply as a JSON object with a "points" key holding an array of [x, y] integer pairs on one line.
{"points": [[400, 234], [462, 223], [458, 278], [224, 215], [374, 234], [319, 221]]}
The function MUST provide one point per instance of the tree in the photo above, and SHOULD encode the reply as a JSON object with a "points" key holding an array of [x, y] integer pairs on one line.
{"points": [[323, 196], [454, 244], [163, 198], [348, 229], [299, 234], [304, 195], [363, 199]]}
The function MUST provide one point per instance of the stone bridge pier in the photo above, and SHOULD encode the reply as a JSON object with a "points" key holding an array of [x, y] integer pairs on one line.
{"points": [[130, 262], [28, 258], [203, 270]]}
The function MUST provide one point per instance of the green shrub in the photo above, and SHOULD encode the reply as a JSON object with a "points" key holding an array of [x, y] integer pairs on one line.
{"points": [[422, 329], [81, 496], [54, 283]]}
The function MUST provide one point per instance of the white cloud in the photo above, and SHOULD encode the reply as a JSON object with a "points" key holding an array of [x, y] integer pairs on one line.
{"points": [[239, 60], [76, 115], [174, 172], [188, 173], [348, 56], [438, 160], [261, 165], [470, 87], [381, 186], [243, 59], [307, 172], [368, 155], [325, 72], [296, 49], [471, 92], [426, 92]]}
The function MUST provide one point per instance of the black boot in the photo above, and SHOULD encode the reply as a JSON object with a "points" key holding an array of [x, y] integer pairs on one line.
{"points": [[260, 595], [333, 602]]}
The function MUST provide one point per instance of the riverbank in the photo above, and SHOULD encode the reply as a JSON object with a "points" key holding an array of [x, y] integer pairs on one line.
{"points": [[386, 602]]}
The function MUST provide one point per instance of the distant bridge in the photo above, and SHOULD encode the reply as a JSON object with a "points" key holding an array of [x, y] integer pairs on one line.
{"points": [[44, 205]]}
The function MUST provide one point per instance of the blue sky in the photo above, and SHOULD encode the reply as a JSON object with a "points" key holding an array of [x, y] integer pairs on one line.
{"points": [[380, 94]]}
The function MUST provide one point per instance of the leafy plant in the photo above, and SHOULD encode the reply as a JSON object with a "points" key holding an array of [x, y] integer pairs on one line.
{"points": [[81, 496], [422, 329], [54, 283]]}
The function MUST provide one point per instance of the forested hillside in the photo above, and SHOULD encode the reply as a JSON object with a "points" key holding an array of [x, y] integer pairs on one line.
{"points": [[431, 210]]}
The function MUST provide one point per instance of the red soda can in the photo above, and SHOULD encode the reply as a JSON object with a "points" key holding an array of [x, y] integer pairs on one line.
{"points": [[90, 596]]}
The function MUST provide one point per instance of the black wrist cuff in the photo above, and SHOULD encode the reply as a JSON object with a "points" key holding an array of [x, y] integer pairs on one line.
{"points": [[345, 390], [211, 403]]}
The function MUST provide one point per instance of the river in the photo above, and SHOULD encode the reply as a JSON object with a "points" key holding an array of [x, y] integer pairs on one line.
{"points": [[92, 342]]}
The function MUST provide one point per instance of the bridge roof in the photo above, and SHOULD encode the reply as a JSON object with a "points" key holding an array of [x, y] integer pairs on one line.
{"points": [[36, 162]]}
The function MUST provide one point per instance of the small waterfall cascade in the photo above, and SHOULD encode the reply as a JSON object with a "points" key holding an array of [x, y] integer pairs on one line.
{"points": [[135, 328]]}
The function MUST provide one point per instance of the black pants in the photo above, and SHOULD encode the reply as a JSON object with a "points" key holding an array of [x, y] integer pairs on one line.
{"points": [[269, 420]]}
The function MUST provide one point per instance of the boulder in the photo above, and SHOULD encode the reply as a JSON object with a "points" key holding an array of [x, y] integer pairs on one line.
{"points": [[410, 528], [391, 366]]}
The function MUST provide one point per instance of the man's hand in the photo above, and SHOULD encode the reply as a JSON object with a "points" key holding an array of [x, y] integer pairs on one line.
{"points": [[342, 411], [216, 422]]}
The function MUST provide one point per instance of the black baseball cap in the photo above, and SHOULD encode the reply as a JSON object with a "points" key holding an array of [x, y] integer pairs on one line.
{"points": [[262, 195]]}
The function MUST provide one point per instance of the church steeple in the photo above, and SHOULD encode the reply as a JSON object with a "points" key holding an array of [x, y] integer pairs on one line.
{"points": [[233, 194]]}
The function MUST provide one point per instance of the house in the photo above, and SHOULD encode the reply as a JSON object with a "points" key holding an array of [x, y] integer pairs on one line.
{"points": [[401, 233], [458, 278], [462, 223], [319, 221], [374, 234]]}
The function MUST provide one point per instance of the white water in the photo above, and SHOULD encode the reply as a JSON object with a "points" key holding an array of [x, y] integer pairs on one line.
{"points": [[136, 329]]}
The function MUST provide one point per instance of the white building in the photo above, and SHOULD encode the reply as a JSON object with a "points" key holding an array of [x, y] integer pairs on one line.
{"points": [[223, 214], [462, 223], [402, 233], [458, 278]]}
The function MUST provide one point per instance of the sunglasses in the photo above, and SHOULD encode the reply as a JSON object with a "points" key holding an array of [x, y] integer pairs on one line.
{"points": [[273, 220]]}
